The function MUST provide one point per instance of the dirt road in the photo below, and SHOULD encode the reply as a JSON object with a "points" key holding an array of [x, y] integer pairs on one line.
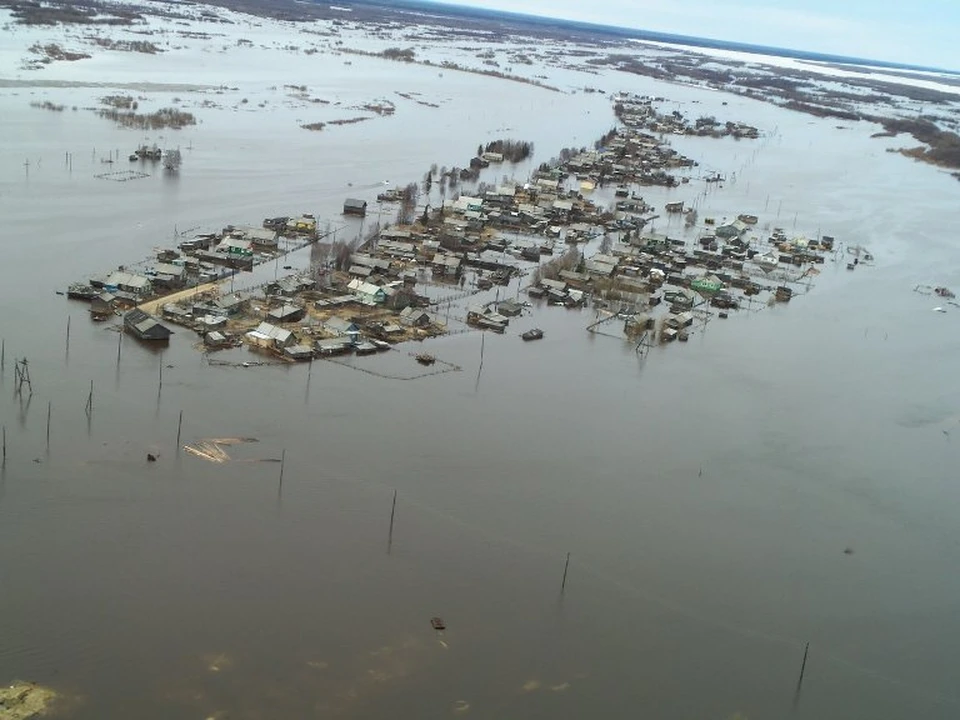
{"points": [[153, 306]]}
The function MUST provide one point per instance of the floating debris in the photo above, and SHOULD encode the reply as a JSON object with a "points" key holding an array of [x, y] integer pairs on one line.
{"points": [[216, 663], [122, 175], [533, 334], [438, 623], [211, 449], [208, 451], [426, 359], [231, 440]]}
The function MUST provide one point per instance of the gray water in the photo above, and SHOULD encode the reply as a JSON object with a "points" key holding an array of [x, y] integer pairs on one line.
{"points": [[706, 492]]}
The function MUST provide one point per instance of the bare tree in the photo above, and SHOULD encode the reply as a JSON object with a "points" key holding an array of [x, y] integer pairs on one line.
{"points": [[408, 202]]}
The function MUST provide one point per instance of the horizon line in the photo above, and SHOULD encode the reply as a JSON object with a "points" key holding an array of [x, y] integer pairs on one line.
{"points": [[457, 8]]}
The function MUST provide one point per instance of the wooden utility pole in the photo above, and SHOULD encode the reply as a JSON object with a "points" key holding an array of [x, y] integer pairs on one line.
{"points": [[393, 512], [803, 666]]}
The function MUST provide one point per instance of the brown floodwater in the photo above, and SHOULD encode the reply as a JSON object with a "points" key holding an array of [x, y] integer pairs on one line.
{"points": [[707, 492]]}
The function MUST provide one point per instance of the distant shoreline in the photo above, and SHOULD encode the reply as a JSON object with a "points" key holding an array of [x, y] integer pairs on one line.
{"points": [[612, 31]]}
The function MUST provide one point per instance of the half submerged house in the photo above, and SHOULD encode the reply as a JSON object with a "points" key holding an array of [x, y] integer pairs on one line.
{"points": [[146, 327]]}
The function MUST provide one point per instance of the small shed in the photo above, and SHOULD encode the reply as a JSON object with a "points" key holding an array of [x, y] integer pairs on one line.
{"points": [[334, 346], [176, 313], [286, 313], [298, 352], [731, 230], [509, 308], [414, 317], [230, 305], [485, 317], [341, 327], [360, 271], [213, 322], [270, 336], [102, 304], [259, 237], [216, 340], [353, 206], [145, 327]]}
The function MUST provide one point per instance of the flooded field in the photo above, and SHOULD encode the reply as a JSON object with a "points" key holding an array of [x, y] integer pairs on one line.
{"points": [[784, 478]]}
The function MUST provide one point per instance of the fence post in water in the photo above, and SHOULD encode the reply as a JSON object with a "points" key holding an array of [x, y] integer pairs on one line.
{"points": [[393, 512], [89, 407], [68, 333], [283, 460], [179, 427], [803, 666], [4, 444], [566, 566], [49, 411], [3, 354], [119, 343]]}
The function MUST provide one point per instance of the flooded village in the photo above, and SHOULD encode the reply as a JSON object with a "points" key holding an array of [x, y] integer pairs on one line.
{"points": [[553, 236], [689, 412]]}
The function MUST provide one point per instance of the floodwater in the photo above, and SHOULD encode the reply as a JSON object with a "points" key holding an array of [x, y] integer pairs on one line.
{"points": [[707, 493]]}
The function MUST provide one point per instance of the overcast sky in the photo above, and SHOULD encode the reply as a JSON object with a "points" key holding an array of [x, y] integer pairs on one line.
{"points": [[921, 32]]}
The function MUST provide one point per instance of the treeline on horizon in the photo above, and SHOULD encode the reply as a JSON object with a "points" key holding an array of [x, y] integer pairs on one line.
{"points": [[580, 27]]}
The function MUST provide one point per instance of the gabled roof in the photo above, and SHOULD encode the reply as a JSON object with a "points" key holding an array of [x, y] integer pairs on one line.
{"points": [[363, 287], [119, 278], [340, 325], [285, 310], [272, 332], [144, 324]]}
